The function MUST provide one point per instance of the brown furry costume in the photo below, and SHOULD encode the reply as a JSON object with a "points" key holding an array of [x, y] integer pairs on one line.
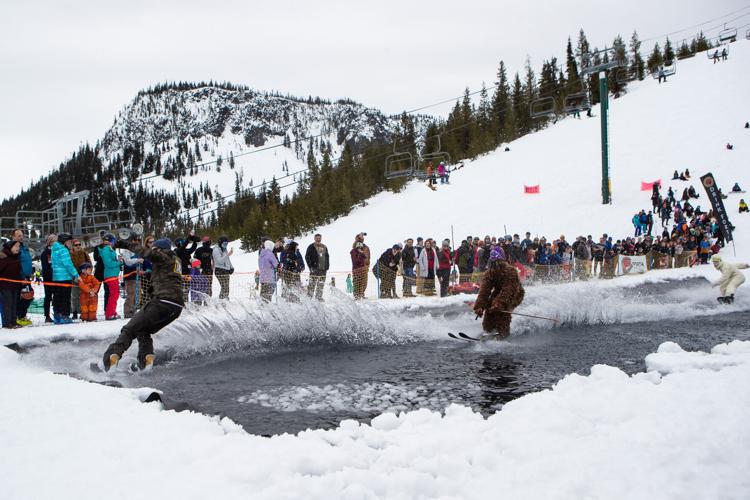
{"points": [[501, 290]]}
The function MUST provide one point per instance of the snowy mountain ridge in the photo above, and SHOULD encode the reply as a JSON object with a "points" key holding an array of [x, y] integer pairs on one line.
{"points": [[172, 149]]}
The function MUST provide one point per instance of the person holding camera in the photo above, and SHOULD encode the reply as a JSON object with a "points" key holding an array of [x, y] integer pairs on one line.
{"points": [[223, 267], [184, 253]]}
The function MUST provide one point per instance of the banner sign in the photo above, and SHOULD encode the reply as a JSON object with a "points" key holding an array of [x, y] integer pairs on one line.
{"points": [[531, 189], [722, 219], [631, 264], [649, 186]]}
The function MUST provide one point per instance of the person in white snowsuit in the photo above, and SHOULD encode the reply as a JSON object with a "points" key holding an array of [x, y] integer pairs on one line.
{"points": [[731, 278]]}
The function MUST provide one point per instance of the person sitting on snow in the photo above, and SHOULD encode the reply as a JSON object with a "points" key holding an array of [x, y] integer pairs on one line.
{"points": [[731, 278], [736, 188], [676, 175], [730, 146], [500, 292], [743, 206]]}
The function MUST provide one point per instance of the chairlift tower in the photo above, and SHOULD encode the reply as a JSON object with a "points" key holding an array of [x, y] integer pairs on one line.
{"points": [[600, 62]]}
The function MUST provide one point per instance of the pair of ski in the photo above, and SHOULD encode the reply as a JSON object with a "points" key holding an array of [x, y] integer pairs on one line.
{"points": [[463, 336], [97, 367]]}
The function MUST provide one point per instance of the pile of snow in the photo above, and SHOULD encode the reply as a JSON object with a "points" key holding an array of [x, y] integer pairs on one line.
{"points": [[678, 431]]}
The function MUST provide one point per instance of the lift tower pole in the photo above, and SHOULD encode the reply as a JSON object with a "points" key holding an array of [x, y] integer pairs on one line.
{"points": [[604, 101], [600, 62]]}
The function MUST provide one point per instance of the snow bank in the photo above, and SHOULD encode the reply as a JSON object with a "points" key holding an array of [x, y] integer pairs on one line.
{"points": [[679, 432]]}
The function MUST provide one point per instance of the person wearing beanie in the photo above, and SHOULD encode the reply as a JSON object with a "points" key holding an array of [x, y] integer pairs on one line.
{"points": [[385, 270], [267, 265], [49, 288], [198, 284], [205, 254], [223, 267], [111, 262], [88, 287], [500, 292], [292, 265], [132, 270], [27, 270], [318, 262], [445, 262], [10, 274], [184, 252], [164, 306], [63, 274], [78, 255]]}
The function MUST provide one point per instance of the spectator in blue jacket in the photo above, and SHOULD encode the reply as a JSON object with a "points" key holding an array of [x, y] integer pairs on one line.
{"points": [[64, 273]]}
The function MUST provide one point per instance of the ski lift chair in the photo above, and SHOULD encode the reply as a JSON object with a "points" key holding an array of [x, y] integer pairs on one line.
{"points": [[399, 164], [420, 170], [747, 35], [727, 34], [542, 107], [575, 103], [715, 52]]}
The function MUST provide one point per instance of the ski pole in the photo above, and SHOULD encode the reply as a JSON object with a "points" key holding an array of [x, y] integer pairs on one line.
{"points": [[526, 315], [532, 316]]}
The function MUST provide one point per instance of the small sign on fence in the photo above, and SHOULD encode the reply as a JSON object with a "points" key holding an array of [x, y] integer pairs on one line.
{"points": [[631, 264]]}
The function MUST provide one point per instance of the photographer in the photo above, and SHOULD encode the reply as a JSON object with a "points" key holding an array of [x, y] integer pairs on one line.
{"points": [[184, 253]]}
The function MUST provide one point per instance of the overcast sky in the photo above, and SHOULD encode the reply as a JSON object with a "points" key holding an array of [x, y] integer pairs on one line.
{"points": [[69, 66]]}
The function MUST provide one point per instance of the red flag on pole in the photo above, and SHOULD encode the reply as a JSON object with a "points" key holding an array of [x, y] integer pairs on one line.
{"points": [[531, 189], [648, 186]]}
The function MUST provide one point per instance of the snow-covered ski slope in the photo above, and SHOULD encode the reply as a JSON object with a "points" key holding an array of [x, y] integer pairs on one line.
{"points": [[654, 130]]}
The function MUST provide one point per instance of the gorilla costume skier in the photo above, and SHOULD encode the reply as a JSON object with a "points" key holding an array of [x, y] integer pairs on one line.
{"points": [[501, 292], [730, 280]]}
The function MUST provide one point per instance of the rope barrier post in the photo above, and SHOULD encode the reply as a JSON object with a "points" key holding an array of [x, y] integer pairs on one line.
{"points": [[377, 276], [137, 285]]}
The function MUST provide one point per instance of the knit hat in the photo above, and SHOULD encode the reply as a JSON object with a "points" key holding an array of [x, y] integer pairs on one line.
{"points": [[9, 244], [397, 246], [195, 264], [495, 254], [63, 237], [163, 243], [107, 237], [85, 265]]}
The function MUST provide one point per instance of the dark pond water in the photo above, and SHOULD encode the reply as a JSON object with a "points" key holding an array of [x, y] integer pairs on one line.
{"points": [[285, 369]]}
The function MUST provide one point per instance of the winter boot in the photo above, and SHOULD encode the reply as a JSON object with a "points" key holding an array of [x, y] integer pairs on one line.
{"points": [[729, 299], [148, 362], [111, 362], [47, 319]]}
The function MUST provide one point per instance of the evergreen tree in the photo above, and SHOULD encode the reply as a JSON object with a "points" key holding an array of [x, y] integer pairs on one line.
{"points": [[701, 43], [655, 60], [637, 66], [668, 51], [500, 104], [571, 67]]}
